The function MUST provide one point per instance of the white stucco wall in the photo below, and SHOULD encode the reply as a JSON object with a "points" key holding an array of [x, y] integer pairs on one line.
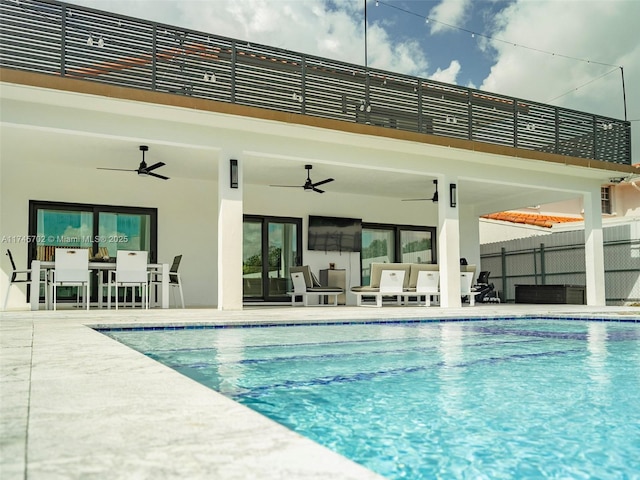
{"points": [[187, 218]]}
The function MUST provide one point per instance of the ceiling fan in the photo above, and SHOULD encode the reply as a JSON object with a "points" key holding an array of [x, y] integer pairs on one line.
{"points": [[434, 199], [143, 170], [308, 185]]}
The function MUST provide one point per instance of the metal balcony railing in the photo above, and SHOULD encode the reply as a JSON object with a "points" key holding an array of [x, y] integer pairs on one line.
{"points": [[51, 37]]}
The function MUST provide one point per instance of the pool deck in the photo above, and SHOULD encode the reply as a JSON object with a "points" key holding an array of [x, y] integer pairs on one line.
{"points": [[75, 404]]}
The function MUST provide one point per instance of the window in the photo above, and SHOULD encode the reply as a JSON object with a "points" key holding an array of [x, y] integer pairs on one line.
{"points": [[92, 226], [100, 228], [605, 199], [383, 243]]}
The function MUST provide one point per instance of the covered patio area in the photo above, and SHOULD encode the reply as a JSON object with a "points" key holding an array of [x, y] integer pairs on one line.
{"points": [[58, 135]]}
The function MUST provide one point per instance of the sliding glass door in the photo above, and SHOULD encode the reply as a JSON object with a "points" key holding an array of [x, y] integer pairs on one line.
{"points": [[102, 229], [271, 246]]}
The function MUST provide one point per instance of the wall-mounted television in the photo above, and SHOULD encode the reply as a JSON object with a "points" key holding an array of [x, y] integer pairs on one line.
{"points": [[334, 234]]}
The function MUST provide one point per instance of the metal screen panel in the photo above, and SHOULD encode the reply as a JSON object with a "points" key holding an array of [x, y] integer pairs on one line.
{"points": [[334, 90], [492, 118], [30, 36], [267, 78], [107, 49], [447, 108], [536, 126], [48, 36], [394, 102]]}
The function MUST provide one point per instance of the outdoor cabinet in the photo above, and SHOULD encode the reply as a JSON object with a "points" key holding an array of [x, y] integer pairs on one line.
{"points": [[551, 294], [334, 278]]}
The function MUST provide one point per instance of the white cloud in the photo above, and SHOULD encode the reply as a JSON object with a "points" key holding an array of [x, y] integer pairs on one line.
{"points": [[604, 32], [449, 74], [311, 26], [451, 12]]}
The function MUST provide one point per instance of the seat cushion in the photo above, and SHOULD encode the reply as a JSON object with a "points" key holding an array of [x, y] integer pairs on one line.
{"points": [[377, 268]]}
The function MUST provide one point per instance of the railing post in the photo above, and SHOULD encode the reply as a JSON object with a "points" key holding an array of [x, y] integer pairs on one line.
{"points": [[154, 52], [557, 132], [234, 59], [367, 105], [63, 40], [469, 114], [421, 127], [515, 122], [543, 269], [595, 137], [303, 86], [535, 266], [503, 260]]}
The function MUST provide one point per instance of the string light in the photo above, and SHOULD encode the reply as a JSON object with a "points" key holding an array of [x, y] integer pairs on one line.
{"points": [[488, 37], [583, 85]]}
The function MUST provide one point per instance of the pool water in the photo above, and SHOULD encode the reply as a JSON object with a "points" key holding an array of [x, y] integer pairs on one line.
{"points": [[482, 399]]}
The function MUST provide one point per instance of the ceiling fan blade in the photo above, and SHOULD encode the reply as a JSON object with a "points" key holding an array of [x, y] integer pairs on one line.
{"points": [[151, 174], [317, 190], [416, 199], [288, 186], [155, 165], [118, 169], [322, 182]]}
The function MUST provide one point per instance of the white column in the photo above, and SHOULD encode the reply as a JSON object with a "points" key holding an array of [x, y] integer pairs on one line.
{"points": [[594, 248], [230, 223], [469, 234], [448, 246]]}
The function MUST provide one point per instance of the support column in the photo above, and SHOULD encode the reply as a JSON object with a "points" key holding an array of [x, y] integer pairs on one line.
{"points": [[594, 248], [230, 223], [448, 245], [469, 235]]}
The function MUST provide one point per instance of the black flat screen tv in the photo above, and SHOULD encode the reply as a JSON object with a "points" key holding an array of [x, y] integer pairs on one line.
{"points": [[334, 234]]}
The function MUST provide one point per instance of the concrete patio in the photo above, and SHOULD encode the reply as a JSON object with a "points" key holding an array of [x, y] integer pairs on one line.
{"points": [[76, 404]]}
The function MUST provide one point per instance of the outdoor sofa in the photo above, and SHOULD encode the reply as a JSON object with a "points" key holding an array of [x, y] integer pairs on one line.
{"points": [[410, 273]]}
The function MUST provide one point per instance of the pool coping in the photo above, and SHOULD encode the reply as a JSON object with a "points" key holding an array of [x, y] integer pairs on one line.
{"points": [[77, 404]]}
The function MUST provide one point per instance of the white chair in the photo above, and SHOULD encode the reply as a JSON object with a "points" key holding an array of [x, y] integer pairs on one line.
{"points": [[391, 283], [71, 269], [174, 279], [17, 276], [466, 281], [131, 272], [303, 286], [428, 285]]}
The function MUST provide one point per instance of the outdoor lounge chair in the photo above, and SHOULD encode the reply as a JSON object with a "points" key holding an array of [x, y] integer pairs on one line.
{"points": [[428, 284], [305, 285], [375, 287], [466, 290], [423, 278]]}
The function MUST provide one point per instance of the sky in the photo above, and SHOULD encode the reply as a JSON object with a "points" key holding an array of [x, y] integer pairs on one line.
{"points": [[567, 53]]}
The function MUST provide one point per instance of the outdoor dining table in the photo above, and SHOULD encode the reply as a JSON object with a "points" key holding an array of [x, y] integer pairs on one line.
{"points": [[37, 266]]}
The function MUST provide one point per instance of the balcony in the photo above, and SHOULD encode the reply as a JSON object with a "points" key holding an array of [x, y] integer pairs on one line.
{"points": [[55, 38]]}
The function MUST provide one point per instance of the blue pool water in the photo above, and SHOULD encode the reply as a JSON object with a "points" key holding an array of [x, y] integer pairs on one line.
{"points": [[479, 400]]}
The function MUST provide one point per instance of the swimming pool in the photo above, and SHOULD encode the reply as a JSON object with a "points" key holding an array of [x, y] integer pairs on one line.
{"points": [[529, 398]]}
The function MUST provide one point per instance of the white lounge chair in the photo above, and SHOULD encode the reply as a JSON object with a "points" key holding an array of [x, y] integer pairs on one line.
{"points": [[375, 282], [303, 286], [466, 282], [428, 285]]}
